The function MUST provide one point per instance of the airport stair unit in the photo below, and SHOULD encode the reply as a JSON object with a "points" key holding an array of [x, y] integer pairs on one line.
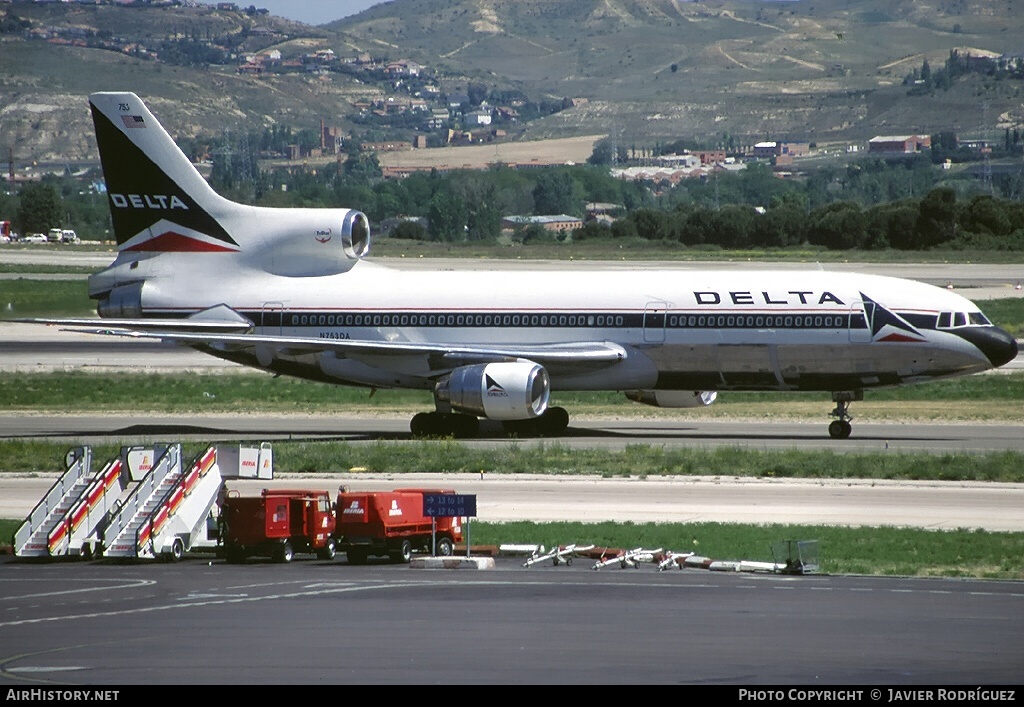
{"points": [[170, 511], [179, 521], [72, 510], [157, 473]]}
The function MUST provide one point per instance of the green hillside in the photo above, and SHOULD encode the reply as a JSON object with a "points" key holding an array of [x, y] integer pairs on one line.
{"points": [[647, 70], [658, 68]]}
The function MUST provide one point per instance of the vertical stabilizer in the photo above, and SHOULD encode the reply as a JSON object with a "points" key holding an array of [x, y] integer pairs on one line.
{"points": [[158, 200]]}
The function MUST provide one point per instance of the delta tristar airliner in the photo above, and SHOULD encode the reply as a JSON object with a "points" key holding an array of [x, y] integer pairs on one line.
{"points": [[289, 291]]}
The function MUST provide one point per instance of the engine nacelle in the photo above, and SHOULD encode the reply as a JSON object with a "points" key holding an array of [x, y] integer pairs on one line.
{"points": [[516, 390], [313, 242], [673, 398]]}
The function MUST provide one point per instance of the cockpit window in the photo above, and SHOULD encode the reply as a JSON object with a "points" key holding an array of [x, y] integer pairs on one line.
{"points": [[948, 320]]}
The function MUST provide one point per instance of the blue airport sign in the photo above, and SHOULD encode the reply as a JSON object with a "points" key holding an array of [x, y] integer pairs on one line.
{"points": [[449, 505]]}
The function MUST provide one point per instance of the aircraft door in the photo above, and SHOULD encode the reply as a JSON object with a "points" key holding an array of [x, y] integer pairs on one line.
{"points": [[272, 318], [859, 323], [654, 322]]}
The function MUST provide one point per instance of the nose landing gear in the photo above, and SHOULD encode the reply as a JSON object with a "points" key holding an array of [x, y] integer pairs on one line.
{"points": [[841, 427]]}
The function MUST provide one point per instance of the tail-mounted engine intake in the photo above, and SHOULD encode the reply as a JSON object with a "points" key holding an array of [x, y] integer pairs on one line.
{"points": [[312, 242], [673, 398], [516, 390], [124, 302]]}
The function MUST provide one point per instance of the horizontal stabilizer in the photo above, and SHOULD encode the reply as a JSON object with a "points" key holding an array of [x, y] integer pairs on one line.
{"points": [[217, 319]]}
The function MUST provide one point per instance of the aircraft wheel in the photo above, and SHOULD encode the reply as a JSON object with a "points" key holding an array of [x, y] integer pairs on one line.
{"points": [[464, 426], [422, 424], [554, 421], [839, 429]]}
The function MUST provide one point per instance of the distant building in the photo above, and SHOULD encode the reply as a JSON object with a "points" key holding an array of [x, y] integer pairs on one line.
{"points": [[438, 118], [390, 146], [456, 100], [900, 144], [478, 117], [556, 224], [686, 161], [403, 68], [772, 148], [710, 156]]}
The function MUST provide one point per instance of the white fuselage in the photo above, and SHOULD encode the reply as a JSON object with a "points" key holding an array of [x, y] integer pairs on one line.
{"points": [[685, 329]]}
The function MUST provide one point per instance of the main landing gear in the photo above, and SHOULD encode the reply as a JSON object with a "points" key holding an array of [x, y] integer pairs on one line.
{"points": [[841, 427], [553, 422], [444, 424]]}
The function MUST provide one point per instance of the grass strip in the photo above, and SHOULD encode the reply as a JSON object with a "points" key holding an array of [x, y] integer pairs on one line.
{"points": [[868, 551], [874, 551], [637, 461], [983, 397], [45, 298]]}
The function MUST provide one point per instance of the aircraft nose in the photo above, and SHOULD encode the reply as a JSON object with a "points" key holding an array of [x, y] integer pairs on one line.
{"points": [[997, 345]]}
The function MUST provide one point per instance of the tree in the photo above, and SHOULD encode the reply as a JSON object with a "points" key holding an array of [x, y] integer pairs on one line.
{"points": [[985, 215], [936, 219], [555, 193], [477, 92], [362, 167], [39, 208], [602, 154], [446, 217], [839, 226], [409, 230]]}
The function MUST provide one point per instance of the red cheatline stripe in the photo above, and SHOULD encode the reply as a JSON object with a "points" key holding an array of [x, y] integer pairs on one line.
{"points": [[172, 242], [900, 337]]}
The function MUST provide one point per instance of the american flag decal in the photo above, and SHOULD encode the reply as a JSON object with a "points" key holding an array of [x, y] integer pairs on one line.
{"points": [[133, 121]]}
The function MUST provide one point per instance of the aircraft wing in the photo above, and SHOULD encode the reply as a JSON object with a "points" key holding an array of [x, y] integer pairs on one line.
{"points": [[594, 353]]}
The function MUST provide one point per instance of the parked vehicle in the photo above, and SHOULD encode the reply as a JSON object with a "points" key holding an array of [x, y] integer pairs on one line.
{"points": [[35, 238], [277, 524], [391, 524]]}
